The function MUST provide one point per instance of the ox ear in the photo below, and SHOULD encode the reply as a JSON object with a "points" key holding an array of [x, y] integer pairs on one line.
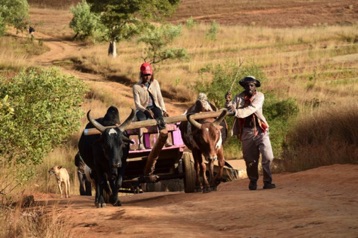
{"points": [[128, 121]]}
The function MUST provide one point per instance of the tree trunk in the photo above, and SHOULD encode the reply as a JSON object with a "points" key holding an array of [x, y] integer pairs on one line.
{"points": [[112, 49]]}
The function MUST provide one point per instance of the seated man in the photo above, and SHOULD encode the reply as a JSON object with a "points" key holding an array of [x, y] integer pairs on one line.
{"points": [[148, 100]]}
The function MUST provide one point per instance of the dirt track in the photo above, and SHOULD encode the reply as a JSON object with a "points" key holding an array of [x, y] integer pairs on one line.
{"points": [[322, 202]]}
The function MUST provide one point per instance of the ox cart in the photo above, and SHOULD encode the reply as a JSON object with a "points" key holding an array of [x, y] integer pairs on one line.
{"points": [[157, 162]]}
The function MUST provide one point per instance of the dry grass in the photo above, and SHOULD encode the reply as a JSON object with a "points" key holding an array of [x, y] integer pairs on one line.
{"points": [[33, 222], [327, 136], [308, 64]]}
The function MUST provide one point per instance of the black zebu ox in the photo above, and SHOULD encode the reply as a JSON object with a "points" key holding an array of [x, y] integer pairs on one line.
{"points": [[106, 153], [205, 138]]}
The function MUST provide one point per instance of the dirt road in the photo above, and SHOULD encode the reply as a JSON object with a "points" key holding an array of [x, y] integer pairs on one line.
{"points": [[321, 202]]}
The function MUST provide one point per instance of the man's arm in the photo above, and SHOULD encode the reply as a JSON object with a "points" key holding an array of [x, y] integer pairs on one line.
{"points": [[255, 105], [136, 98]]}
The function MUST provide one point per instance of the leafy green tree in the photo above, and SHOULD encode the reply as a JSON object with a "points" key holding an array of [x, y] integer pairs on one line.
{"points": [[126, 18], [14, 13], [84, 22], [40, 108], [158, 39]]}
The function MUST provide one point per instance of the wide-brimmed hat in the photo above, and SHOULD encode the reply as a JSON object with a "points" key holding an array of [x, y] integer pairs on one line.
{"points": [[249, 79]]}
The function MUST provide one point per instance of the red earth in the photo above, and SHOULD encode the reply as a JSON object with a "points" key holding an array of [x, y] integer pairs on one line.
{"points": [[321, 202]]}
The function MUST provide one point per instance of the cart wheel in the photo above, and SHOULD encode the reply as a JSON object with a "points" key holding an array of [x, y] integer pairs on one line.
{"points": [[189, 173]]}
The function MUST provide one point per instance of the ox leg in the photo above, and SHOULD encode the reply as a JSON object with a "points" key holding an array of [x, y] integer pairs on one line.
{"points": [[221, 163], [82, 180], [206, 185], [114, 183], [197, 159], [211, 175], [99, 201]]}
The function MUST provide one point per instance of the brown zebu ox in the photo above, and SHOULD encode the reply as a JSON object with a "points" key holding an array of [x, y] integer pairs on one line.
{"points": [[205, 138]]}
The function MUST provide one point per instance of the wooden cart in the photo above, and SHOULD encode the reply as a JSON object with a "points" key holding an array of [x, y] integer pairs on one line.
{"points": [[158, 162]]}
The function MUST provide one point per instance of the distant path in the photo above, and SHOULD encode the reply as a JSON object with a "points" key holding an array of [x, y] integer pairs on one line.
{"points": [[62, 50]]}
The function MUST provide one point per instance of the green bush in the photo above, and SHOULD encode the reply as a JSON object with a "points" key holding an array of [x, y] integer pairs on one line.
{"points": [[14, 13], [85, 23], [40, 108], [280, 115]]}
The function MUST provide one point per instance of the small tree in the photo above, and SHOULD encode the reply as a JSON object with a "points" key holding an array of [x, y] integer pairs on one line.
{"points": [[85, 23], [126, 18], [14, 13], [157, 39]]}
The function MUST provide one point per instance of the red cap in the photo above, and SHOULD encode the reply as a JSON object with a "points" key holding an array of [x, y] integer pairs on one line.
{"points": [[146, 68]]}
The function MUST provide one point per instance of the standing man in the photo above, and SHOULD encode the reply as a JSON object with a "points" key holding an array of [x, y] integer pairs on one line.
{"points": [[148, 100], [251, 127]]}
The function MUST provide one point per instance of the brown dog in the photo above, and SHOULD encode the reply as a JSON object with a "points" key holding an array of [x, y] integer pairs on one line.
{"points": [[62, 176]]}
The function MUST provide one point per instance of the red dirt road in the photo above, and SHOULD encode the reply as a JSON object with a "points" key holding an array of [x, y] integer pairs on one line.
{"points": [[321, 202]]}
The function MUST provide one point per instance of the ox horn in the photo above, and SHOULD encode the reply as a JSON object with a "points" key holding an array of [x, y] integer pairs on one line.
{"points": [[128, 121], [95, 123], [193, 122], [221, 117]]}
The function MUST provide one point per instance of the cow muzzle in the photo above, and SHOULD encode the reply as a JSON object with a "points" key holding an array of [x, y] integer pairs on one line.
{"points": [[114, 173], [213, 158], [117, 165]]}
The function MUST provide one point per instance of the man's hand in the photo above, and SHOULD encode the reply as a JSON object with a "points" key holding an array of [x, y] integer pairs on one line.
{"points": [[228, 96], [231, 112], [165, 114]]}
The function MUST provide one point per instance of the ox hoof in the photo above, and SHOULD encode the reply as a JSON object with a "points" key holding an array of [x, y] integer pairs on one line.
{"points": [[214, 188], [100, 205], [206, 190], [117, 204], [198, 189]]}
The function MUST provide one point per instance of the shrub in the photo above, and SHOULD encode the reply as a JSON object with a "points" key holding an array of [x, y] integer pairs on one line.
{"points": [[42, 109], [213, 31], [85, 23]]}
